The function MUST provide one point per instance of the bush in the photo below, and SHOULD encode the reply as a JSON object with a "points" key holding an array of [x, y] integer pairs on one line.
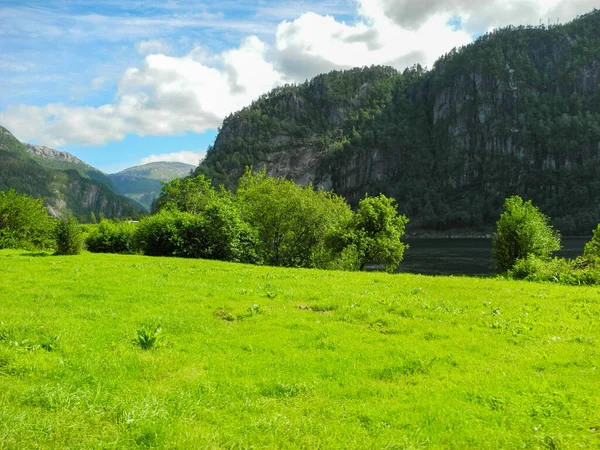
{"points": [[579, 271], [592, 248], [217, 233], [69, 237], [292, 221], [24, 222], [522, 230], [158, 235], [112, 237]]}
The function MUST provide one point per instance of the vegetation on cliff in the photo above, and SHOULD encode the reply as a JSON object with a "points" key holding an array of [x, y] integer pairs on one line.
{"points": [[516, 112]]}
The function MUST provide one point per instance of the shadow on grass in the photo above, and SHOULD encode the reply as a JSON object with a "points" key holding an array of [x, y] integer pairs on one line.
{"points": [[37, 254]]}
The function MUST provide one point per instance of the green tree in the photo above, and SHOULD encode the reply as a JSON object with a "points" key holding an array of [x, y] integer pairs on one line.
{"points": [[190, 195], [376, 231], [293, 222], [592, 248], [24, 222], [522, 230], [93, 218], [69, 237]]}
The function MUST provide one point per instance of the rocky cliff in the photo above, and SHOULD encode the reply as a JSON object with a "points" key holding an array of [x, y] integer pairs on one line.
{"points": [[516, 112]]}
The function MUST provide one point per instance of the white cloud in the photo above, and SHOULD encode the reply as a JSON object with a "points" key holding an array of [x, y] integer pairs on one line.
{"points": [[313, 44], [165, 96], [185, 156], [477, 16], [168, 95], [57, 125]]}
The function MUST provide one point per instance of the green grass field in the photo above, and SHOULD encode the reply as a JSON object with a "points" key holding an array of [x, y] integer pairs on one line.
{"points": [[262, 357]]}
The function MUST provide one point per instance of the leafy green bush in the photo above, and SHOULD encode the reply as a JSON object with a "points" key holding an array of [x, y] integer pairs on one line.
{"points": [[69, 237], [377, 230], [158, 235], [292, 221], [579, 271], [522, 230], [217, 233], [592, 248], [112, 237], [24, 222]]}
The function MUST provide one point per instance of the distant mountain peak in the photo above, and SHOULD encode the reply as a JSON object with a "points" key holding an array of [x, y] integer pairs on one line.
{"points": [[143, 183], [157, 167]]}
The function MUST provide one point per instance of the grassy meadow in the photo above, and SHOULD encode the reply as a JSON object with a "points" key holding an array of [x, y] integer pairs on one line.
{"points": [[263, 357]]}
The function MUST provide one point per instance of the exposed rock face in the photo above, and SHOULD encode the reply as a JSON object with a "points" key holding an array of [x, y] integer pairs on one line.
{"points": [[517, 112], [50, 153]]}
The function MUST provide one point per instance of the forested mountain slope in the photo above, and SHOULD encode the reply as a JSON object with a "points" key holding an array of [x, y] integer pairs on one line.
{"points": [[516, 112], [66, 191]]}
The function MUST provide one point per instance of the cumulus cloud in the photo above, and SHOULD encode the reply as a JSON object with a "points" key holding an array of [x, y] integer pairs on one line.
{"points": [[166, 95], [56, 125], [185, 156], [477, 16], [313, 44]]}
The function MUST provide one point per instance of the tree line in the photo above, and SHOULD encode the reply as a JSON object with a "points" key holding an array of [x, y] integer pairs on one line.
{"points": [[267, 220], [273, 221]]}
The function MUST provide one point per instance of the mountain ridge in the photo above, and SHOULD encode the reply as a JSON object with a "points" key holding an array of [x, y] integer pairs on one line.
{"points": [[65, 191], [515, 112], [143, 183]]}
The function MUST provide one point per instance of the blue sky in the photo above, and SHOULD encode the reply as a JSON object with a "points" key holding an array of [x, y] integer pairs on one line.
{"points": [[119, 83]]}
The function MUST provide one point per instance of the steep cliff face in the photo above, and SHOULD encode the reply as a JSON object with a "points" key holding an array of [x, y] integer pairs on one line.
{"points": [[65, 191], [516, 112]]}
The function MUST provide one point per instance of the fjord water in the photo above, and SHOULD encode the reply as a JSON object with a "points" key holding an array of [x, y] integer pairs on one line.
{"points": [[464, 256]]}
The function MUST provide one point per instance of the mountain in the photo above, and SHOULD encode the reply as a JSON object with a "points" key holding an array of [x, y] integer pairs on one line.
{"points": [[24, 169], [55, 159], [143, 183], [515, 112]]}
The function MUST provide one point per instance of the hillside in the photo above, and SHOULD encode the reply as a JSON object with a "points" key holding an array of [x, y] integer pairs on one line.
{"points": [[143, 183], [65, 190], [516, 112], [55, 159]]}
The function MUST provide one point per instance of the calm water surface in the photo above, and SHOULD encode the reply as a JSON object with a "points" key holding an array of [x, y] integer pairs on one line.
{"points": [[469, 256]]}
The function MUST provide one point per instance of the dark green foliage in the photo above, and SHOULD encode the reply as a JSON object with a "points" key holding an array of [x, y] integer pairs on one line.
{"points": [[516, 112], [69, 237], [149, 336], [374, 233], [217, 233], [188, 195], [579, 271], [521, 231], [24, 222], [592, 248], [158, 235], [112, 237], [293, 222]]}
